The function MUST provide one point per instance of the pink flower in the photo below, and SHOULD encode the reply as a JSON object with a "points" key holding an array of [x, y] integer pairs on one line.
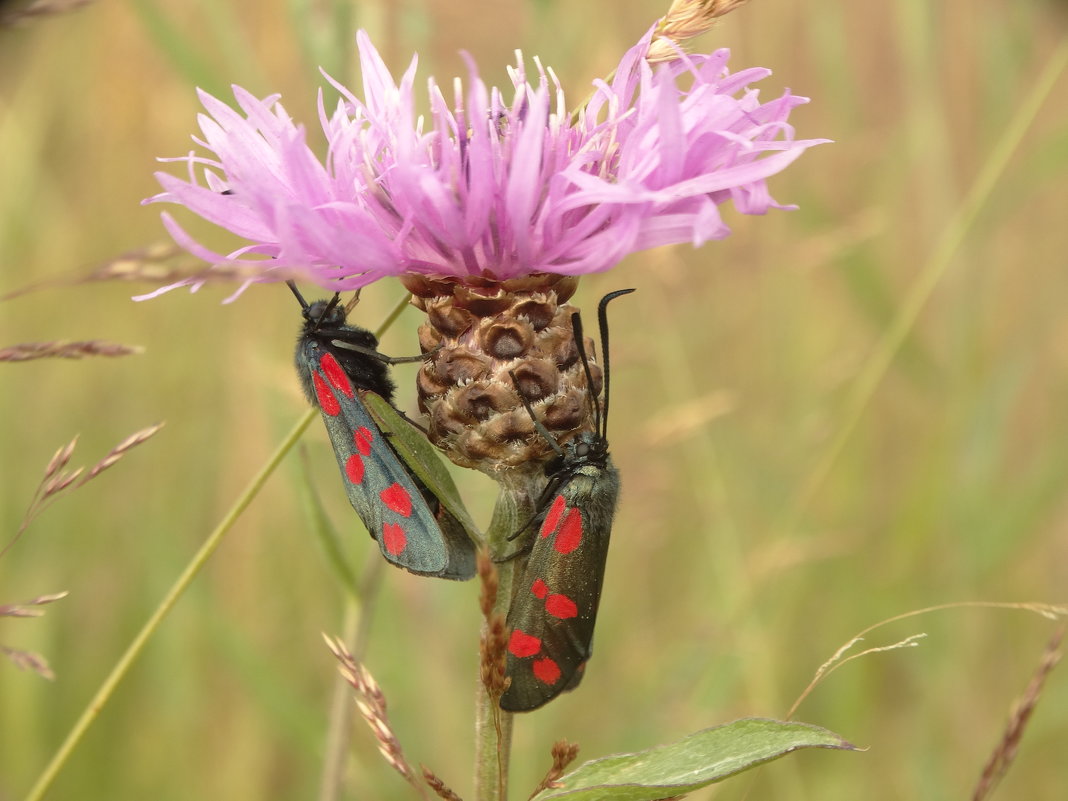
{"points": [[485, 186]]}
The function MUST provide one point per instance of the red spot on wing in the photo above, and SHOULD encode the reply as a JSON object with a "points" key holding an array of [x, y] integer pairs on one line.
{"points": [[394, 538], [335, 375], [539, 588], [363, 437], [327, 402], [546, 671], [570, 536], [522, 644], [354, 469], [553, 517], [560, 606], [397, 498]]}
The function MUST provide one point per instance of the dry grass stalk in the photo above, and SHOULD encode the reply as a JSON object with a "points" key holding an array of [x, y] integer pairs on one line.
{"points": [[57, 484], [150, 263], [66, 350], [838, 659], [564, 754], [30, 608], [372, 705], [685, 20], [493, 642], [1048, 611], [438, 786], [160, 263], [165, 263], [28, 660], [121, 450], [61, 459], [41, 8], [1002, 757], [56, 479]]}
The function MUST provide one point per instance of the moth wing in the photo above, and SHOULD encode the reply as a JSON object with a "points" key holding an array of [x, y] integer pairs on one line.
{"points": [[461, 535], [555, 608], [378, 486]]}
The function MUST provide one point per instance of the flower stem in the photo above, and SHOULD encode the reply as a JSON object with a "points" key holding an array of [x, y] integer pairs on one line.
{"points": [[118, 673], [493, 726]]}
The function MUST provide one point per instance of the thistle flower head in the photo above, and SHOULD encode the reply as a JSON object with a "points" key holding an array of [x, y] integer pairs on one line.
{"points": [[489, 208], [489, 185]]}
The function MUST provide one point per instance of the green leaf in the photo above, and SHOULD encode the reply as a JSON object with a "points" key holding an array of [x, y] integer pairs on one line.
{"points": [[324, 530], [421, 457], [691, 763]]}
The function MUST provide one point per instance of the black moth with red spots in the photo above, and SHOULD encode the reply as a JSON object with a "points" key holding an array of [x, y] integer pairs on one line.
{"points": [[555, 607], [338, 364]]}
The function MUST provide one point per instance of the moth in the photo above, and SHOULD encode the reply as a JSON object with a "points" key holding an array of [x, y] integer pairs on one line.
{"points": [[553, 613], [398, 487]]}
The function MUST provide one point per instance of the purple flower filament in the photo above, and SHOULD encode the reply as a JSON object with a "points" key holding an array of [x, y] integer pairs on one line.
{"points": [[483, 187]]}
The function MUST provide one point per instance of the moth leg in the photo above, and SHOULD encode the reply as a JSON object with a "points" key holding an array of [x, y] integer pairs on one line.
{"points": [[390, 360], [522, 550]]}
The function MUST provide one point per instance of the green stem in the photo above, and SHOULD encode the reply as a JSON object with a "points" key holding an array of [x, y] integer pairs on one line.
{"points": [[122, 667], [938, 264], [359, 611], [493, 726]]}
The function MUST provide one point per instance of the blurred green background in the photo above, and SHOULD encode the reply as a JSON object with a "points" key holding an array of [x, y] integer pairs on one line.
{"points": [[738, 564]]}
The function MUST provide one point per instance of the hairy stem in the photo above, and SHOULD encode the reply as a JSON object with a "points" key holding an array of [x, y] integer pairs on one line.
{"points": [[493, 726]]}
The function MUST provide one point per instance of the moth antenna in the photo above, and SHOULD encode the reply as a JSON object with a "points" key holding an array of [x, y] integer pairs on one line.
{"points": [[300, 298], [537, 424], [576, 327], [305, 306], [602, 319]]}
